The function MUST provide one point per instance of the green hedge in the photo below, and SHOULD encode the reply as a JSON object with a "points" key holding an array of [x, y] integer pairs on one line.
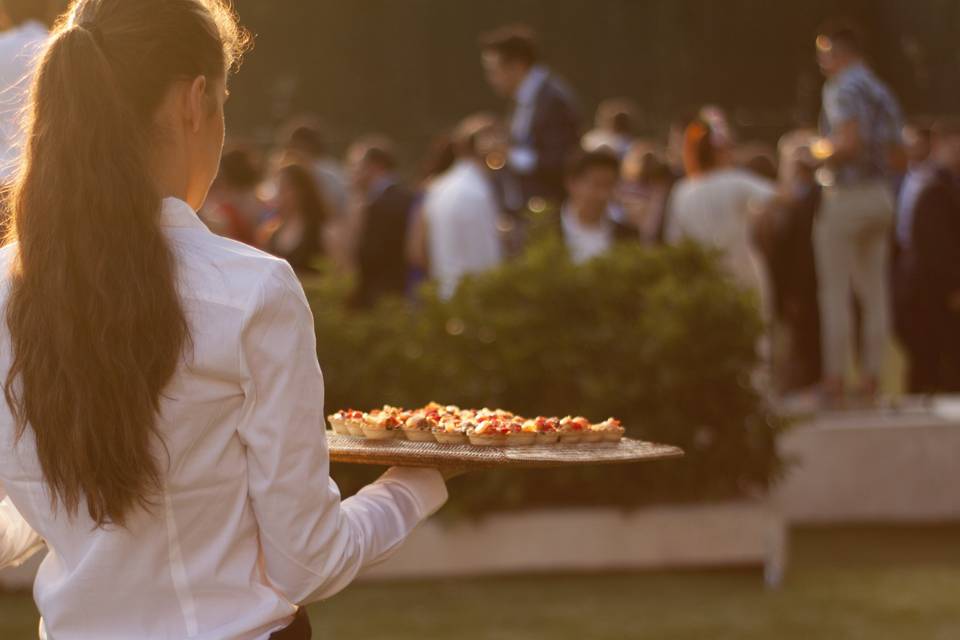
{"points": [[659, 338]]}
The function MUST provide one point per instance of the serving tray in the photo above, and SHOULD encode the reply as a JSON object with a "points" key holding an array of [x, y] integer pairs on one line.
{"points": [[405, 453]]}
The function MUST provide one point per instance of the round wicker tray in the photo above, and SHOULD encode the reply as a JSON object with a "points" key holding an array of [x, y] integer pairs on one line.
{"points": [[405, 453]]}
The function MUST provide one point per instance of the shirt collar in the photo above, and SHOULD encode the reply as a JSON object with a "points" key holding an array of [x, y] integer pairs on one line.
{"points": [[175, 213], [572, 222], [377, 188], [851, 70], [530, 86], [466, 166]]}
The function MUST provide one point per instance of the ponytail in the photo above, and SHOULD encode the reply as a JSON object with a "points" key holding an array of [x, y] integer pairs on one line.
{"points": [[95, 320], [699, 152]]}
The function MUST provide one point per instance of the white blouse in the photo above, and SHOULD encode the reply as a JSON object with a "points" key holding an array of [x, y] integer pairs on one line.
{"points": [[718, 210], [249, 524], [461, 213]]}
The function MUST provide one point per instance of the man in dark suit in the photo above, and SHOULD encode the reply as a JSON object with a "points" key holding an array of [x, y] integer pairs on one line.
{"points": [[380, 249], [933, 271], [544, 124]]}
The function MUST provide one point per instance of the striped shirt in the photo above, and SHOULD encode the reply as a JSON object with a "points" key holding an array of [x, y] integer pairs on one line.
{"points": [[857, 94]]}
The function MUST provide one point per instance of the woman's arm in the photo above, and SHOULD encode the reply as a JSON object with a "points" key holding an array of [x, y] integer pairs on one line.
{"points": [[417, 252], [313, 545], [263, 234], [18, 541]]}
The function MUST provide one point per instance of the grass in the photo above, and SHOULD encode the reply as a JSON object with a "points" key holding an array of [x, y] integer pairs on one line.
{"points": [[845, 584]]}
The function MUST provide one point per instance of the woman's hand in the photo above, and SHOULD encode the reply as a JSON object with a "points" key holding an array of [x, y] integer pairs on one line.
{"points": [[450, 472]]}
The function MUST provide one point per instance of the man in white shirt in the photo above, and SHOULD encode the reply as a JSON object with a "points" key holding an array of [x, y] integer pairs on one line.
{"points": [[545, 124], [19, 48], [589, 220], [460, 211]]}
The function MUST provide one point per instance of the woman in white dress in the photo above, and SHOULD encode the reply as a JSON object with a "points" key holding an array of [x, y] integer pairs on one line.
{"points": [[163, 431], [718, 204]]}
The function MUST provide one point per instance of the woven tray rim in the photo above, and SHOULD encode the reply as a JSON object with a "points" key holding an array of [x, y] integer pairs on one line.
{"points": [[352, 450]]}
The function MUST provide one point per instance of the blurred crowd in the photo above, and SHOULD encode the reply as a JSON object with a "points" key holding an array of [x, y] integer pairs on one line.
{"points": [[847, 234]]}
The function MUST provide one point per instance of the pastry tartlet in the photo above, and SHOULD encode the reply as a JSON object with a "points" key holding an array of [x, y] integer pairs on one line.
{"points": [[450, 430], [419, 428], [449, 424], [381, 426], [518, 436], [353, 421], [571, 430], [338, 423], [487, 433], [546, 430], [589, 434], [611, 430]]}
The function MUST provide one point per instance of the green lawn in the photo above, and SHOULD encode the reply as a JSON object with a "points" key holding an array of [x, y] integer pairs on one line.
{"points": [[876, 584]]}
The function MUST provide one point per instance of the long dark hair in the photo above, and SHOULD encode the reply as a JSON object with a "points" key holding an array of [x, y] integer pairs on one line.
{"points": [[311, 208], [95, 320]]}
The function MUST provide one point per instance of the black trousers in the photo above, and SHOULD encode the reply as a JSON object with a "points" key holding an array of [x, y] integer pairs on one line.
{"points": [[299, 629], [932, 341]]}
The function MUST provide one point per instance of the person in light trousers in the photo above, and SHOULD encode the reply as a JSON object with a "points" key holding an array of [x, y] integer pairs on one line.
{"points": [[861, 124]]}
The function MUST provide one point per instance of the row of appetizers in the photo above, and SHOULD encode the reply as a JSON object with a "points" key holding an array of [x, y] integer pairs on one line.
{"points": [[484, 427]]}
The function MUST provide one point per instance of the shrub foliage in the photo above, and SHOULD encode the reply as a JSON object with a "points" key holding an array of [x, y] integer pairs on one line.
{"points": [[657, 337]]}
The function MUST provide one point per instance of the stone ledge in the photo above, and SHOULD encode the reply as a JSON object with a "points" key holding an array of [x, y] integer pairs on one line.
{"points": [[671, 537], [893, 466]]}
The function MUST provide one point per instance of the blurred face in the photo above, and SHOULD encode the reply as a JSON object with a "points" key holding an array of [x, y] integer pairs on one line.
{"points": [[917, 145], [492, 146], [591, 193], [504, 77], [831, 57], [637, 159], [360, 171], [825, 57], [947, 151]]}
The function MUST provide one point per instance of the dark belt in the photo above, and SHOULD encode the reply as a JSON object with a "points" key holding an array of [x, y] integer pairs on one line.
{"points": [[299, 629]]}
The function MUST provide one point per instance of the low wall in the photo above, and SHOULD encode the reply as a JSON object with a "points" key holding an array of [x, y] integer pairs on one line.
{"points": [[891, 466], [716, 535]]}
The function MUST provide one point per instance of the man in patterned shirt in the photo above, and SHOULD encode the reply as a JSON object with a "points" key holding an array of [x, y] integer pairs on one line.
{"points": [[861, 124]]}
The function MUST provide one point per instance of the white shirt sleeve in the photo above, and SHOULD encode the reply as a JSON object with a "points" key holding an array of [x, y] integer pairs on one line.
{"points": [[674, 233], [523, 159], [18, 541], [759, 190], [312, 545]]}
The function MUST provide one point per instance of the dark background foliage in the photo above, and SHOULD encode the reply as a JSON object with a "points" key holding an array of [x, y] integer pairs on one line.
{"points": [[407, 68], [658, 338]]}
